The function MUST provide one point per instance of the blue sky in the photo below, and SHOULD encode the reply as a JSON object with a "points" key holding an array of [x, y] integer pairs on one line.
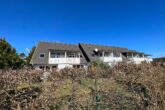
{"points": [[135, 24]]}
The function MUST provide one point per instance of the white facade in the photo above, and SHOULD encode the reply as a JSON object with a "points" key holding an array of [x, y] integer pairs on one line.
{"points": [[111, 59], [64, 61], [140, 60]]}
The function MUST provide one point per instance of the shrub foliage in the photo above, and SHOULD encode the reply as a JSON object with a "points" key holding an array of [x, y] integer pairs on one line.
{"points": [[123, 87]]}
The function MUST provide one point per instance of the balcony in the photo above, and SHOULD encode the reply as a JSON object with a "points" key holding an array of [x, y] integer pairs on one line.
{"points": [[64, 60], [141, 59], [63, 57], [111, 59]]}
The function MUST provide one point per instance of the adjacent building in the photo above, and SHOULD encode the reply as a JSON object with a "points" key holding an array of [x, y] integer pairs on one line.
{"points": [[48, 55], [159, 61]]}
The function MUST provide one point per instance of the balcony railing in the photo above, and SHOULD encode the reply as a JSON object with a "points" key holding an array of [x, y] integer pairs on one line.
{"points": [[140, 59], [64, 60], [111, 59]]}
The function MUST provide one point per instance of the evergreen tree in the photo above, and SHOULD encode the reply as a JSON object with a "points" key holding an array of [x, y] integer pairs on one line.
{"points": [[8, 56]]}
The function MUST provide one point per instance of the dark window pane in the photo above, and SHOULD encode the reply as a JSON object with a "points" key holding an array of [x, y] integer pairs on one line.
{"points": [[42, 55]]}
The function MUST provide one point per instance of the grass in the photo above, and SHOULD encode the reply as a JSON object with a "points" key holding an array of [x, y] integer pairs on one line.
{"points": [[64, 89], [26, 85], [84, 88]]}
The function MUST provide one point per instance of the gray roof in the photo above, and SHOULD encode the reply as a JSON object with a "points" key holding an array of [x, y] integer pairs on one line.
{"points": [[44, 47], [89, 50], [86, 50]]}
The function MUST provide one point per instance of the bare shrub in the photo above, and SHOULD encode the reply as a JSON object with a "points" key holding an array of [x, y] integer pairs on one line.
{"points": [[125, 86], [146, 80]]}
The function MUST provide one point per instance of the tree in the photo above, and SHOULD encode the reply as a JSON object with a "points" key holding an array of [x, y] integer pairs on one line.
{"points": [[22, 55], [9, 58], [28, 58]]}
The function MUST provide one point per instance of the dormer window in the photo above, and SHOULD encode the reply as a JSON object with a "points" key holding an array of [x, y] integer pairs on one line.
{"points": [[42, 55]]}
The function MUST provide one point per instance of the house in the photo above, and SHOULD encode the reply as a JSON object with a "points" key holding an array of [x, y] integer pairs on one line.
{"points": [[159, 61], [48, 55], [112, 55], [57, 55]]}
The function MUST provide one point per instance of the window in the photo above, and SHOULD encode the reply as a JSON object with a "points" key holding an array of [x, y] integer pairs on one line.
{"points": [[141, 55], [100, 54], [129, 55], [41, 67], [42, 55], [57, 55], [107, 54], [54, 67], [136, 55], [73, 55], [116, 54]]}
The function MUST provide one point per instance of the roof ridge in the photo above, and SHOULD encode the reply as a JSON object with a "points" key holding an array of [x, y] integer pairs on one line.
{"points": [[57, 43], [104, 45]]}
